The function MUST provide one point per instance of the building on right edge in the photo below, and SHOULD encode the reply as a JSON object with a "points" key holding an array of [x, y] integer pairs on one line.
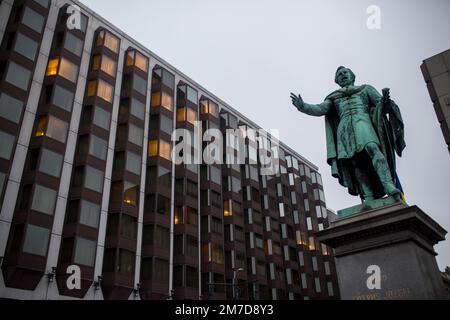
{"points": [[436, 72]]}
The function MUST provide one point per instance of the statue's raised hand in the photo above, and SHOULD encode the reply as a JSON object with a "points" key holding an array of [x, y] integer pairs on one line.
{"points": [[297, 101]]}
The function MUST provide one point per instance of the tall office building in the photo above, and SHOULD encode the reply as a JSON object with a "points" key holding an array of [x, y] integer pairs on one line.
{"points": [[436, 72], [93, 205]]}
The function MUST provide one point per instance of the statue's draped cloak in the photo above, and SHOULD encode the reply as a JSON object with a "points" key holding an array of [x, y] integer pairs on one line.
{"points": [[389, 127]]}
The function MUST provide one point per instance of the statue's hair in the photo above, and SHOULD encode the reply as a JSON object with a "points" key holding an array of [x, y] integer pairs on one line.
{"points": [[352, 75]]}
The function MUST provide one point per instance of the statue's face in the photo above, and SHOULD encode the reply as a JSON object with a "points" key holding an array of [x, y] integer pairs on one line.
{"points": [[344, 78]]}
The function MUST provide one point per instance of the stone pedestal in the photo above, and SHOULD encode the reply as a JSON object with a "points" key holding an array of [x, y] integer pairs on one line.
{"points": [[387, 254]]}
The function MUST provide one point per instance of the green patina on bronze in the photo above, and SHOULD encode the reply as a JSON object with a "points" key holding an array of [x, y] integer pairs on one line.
{"points": [[364, 132]]}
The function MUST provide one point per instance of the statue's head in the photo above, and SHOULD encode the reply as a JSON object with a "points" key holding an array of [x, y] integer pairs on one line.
{"points": [[344, 77]]}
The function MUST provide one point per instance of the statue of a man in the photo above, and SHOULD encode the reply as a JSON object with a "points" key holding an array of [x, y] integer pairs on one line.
{"points": [[364, 130]]}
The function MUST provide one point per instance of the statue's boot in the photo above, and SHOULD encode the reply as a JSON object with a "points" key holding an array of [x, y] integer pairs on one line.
{"points": [[364, 183], [383, 171]]}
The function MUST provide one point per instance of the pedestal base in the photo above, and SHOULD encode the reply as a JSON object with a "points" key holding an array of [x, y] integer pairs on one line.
{"points": [[387, 254]]}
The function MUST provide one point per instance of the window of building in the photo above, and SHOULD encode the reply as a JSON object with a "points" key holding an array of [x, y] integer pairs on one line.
{"points": [[10, 108], [101, 89], [85, 252], [166, 124], [134, 58], [105, 64], [327, 268], [133, 163], [62, 67], [102, 118], [18, 76], [216, 225], [52, 127], [26, 46], [44, 200], [156, 99], [215, 174], [160, 148], [191, 248], [7, 142], [317, 283], [236, 185], [163, 205], [89, 213], [191, 189], [179, 215], [73, 44], [33, 19], [314, 264], [36, 240], [162, 99], [51, 163], [137, 108], [128, 227], [309, 223], [98, 147], [164, 177], [93, 179], [108, 40], [135, 135], [127, 260], [130, 193], [209, 107], [161, 271], [140, 84], [192, 95], [63, 98], [191, 216], [312, 244]]}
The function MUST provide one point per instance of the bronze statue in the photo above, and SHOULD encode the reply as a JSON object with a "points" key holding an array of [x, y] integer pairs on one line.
{"points": [[364, 130]]}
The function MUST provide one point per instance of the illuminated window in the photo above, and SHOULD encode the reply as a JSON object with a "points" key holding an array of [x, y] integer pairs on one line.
{"points": [[136, 59], [181, 114], [62, 67], [108, 40], [41, 127], [130, 193], [52, 127], [165, 149], [162, 99], [167, 101], [209, 107], [191, 115], [105, 64], [312, 245], [101, 89], [178, 218], [153, 148], [156, 99], [227, 210]]}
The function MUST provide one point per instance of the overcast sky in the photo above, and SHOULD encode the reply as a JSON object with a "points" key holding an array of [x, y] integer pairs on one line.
{"points": [[253, 53]]}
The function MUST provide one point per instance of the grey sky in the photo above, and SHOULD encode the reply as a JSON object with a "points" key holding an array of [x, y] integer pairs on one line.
{"points": [[253, 53]]}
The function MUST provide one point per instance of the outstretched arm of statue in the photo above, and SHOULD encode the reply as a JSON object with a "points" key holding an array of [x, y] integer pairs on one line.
{"points": [[311, 109]]}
